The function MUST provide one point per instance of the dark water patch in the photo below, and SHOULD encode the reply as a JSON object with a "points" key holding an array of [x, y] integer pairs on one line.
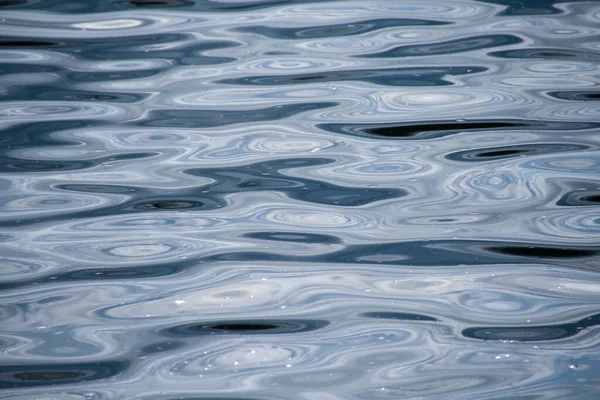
{"points": [[188, 396], [202, 5], [578, 197], [398, 316], [248, 327], [448, 47], [108, 188], [40, 166], [138, 200], [438, 129], [242, 327], [548, 54], [279, 53], [61, 6], [345, 29], [294, 237], [170, 205], [506, 152], [103, 273], [406, 76], [112, 75], [23, 135], [91, 45], [532, 333], [262, 176], [229, 5], [24, 376], [575, 95], [187, 52], [423, 130], [152, 4], [10, 42], [421, 253], [212, 118], [54, 93], [185, 201], [543, 251], [15, 3], [13, 164], [529, 7], [122, 209], [20, 68], [593, 198], [267, 176], [431, 253], [83, 6], [120, 273]]}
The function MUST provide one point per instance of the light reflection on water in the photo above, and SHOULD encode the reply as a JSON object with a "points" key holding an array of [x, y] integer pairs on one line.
{"points": [[299, 200]]}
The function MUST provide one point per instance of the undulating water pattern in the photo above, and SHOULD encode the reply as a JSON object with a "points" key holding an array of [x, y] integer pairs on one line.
{"points": [[299, 199]]}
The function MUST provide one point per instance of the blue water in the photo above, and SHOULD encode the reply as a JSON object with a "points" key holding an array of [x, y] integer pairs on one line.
{"points": [[299, 200]]}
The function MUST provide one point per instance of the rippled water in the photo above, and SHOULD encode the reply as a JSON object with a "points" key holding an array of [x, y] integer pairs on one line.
{"points": [[286, 199]]}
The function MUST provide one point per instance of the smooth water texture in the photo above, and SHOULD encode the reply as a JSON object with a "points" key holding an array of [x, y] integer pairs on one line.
{"points": [[299, 200]]}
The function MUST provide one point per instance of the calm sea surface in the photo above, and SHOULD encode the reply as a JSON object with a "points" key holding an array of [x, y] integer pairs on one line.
{"points": [[299, 200]]}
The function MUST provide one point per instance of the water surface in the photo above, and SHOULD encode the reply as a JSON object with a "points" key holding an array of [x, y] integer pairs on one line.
{"points": [[294, 200]]}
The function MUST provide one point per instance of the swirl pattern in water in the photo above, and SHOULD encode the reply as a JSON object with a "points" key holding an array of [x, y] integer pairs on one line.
{"points": [[299, 199]]}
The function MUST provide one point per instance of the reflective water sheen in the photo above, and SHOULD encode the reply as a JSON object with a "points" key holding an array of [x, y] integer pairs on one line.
{"points": [[299, 199]]}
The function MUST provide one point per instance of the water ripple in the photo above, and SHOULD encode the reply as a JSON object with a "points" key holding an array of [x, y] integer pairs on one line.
{"points": [[424, 76], [448, 47], [313, 32], [299, 199]]}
